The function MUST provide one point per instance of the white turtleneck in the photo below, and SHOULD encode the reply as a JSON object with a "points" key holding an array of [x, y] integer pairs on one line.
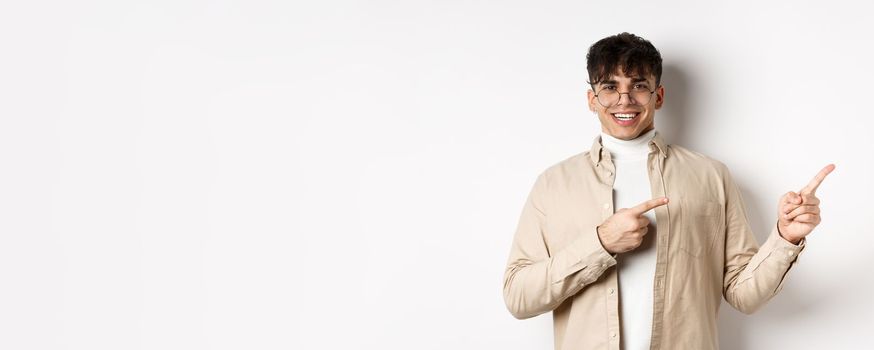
{"points": [[636, 268]]}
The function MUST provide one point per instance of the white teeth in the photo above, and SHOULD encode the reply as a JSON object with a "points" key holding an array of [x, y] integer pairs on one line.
{"points": [[624, 116]]}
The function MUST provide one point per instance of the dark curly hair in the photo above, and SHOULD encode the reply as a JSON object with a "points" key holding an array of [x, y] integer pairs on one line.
{"points": [[635, 55]]}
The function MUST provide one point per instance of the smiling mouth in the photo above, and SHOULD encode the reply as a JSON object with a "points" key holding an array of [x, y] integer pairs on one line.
{"points": [[625, 117]]}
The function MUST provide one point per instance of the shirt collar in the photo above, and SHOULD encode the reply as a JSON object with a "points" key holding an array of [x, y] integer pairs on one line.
{"points": [[656, 144]]}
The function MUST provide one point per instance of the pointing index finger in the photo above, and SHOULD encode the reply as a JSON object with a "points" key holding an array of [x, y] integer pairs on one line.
{"points": [[649, 205], [817, 180]]}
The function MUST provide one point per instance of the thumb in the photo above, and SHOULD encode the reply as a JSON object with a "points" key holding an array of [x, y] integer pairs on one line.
{"points": [[791, 198]]}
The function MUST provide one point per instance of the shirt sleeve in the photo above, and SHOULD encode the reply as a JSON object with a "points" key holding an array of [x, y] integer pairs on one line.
{"points": [[536, 281], [753, 274]]}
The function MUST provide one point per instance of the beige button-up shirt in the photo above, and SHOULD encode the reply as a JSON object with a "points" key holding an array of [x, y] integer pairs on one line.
{"points": [[705, 251]]}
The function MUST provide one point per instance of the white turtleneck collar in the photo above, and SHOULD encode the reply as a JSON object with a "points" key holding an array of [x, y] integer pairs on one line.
{"points": [[619, 148]]}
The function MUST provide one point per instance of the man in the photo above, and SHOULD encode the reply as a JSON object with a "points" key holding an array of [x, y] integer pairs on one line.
{"points": [[651, 274]]}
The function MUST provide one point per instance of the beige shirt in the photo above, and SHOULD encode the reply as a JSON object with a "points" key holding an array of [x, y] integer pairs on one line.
{"points": [[705, 251]]}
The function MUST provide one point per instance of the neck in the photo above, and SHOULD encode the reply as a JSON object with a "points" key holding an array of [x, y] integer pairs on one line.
{"points": [[618, 147]]}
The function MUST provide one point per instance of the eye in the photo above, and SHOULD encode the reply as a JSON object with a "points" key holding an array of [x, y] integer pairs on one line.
{"points": [[641, 87], [609, 87]]}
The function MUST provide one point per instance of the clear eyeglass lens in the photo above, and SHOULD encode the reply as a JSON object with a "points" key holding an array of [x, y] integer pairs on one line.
{"points": [[609, 98]]}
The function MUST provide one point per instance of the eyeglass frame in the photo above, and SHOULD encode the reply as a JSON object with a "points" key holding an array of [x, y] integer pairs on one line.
{"points": [[620, 96]]}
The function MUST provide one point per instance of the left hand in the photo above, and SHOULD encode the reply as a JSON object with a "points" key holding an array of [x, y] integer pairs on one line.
{"points": [[798, 213]]}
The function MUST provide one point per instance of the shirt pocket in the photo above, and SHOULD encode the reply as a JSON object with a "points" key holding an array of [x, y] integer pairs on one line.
{"points": [[700, 221]]}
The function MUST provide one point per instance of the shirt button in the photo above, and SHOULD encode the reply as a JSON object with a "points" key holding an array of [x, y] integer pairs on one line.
{"points": [[606, 205], [789, 253], [612, 334], [611, 291]]}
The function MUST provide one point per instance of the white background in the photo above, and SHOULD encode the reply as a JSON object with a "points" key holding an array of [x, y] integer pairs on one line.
{"points": [[349, 174]]}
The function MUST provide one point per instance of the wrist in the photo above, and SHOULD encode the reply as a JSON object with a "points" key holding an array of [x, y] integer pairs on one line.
{"points": [[792, 240], [600, 240]]}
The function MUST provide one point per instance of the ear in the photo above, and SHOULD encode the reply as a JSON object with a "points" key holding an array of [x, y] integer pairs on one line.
{"points": [[660, 96], [591, 97]]}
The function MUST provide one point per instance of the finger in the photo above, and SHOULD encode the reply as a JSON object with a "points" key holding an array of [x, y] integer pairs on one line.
{"points": [[791, 198], [788, 208], [807, 218], [817, 180], [643, 231], [809, 199], [783, 219], [649, 205], [788, 202], [642, 221], [804, 209]]}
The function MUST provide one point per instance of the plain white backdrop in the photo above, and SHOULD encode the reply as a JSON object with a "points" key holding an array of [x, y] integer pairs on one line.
{"points": [[349, 174]]}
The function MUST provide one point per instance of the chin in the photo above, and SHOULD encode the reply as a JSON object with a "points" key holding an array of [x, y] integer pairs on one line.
{"points": [[626, 134]]}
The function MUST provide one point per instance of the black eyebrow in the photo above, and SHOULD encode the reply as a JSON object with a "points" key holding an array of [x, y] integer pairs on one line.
{"points": [[633, 80]]}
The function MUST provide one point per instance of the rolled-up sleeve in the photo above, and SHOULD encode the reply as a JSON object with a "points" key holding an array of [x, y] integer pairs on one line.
{"points": [[536, 281]]}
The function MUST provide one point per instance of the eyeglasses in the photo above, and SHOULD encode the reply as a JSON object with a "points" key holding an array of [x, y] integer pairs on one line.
{"points": [[609, 96]]}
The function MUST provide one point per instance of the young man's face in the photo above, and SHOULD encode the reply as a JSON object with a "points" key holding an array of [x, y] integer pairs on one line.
{"points": [[633, 112]]}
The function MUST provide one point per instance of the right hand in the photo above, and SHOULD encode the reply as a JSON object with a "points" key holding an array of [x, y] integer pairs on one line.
{"points": [[624, 230]]}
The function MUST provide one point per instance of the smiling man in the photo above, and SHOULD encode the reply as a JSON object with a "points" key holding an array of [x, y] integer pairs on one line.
{"points": [[651, 274]]}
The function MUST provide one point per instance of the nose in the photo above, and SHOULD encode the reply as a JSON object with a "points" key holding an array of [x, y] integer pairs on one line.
{"points": [[627, 98]]}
